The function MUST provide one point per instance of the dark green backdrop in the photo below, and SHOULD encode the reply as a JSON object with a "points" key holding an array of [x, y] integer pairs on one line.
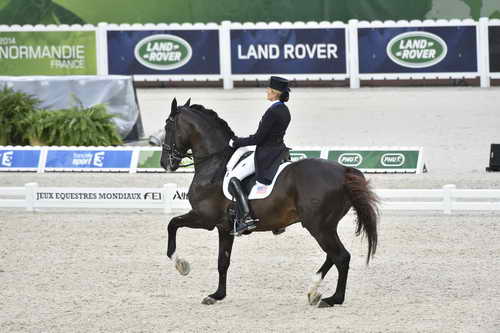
{"points": [[168, 11]]}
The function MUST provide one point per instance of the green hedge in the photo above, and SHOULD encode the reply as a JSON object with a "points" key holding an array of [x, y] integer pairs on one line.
{"points": [[23, 123]]}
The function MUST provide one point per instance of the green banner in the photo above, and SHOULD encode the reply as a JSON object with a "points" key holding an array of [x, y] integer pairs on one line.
{"points": [[48, 53], [297, 155], [380, 160], [169, 11], [376, 159], [150, 160]]}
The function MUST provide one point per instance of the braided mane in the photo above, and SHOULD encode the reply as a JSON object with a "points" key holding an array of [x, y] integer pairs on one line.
{"points": [[201, 110]]}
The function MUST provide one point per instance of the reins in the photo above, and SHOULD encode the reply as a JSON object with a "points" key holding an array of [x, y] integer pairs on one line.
{"points": [[176, 155]]}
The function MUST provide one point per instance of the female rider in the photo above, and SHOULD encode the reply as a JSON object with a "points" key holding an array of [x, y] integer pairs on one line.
{"points": [[268, 154]]}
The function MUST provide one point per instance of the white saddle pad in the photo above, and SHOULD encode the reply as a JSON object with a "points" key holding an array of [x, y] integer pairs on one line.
{"points": [[258, 191]]}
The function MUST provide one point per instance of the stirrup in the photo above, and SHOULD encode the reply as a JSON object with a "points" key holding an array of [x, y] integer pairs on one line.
{"points": [[241, 227]]}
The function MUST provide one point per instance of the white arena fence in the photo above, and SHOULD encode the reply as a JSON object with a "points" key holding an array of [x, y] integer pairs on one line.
{"points": [[232, 51], [170, 198]]}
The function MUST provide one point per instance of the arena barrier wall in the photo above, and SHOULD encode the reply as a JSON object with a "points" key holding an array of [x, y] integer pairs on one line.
{"points": [[133, 159], [359, 50], [170, 198]]}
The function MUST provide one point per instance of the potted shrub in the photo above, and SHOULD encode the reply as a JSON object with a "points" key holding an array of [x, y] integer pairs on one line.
{"points": [[14, 107], [76, 126]]}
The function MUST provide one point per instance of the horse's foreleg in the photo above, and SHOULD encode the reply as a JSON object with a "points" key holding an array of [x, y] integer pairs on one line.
{"points": [[191, 220], [225, 247]]}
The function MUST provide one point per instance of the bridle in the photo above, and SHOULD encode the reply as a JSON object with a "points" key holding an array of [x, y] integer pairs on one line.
{"points": [[169, 147], [174, 155]]}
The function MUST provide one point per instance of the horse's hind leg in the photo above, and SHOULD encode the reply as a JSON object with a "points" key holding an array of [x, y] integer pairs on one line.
{"points": [[225, 247], [313, 295], [340, 257]]}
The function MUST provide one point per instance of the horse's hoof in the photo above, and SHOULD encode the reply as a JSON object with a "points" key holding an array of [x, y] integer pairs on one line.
{"points": [[209, 300], [324, 304], [182, 266], [313, 298], [278, 231]]}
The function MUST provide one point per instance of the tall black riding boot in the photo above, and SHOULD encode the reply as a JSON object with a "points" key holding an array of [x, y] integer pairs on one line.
{"points": [[244, 221]]}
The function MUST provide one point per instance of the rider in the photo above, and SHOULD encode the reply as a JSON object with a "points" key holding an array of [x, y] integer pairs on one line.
{"points": [[268, 153]]}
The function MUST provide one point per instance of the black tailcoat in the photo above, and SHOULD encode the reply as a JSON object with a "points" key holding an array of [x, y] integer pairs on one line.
{"points": [[269, 141]]}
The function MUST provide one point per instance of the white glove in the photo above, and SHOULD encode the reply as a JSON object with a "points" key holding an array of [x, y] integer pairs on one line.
{"points": [[231, 142]]}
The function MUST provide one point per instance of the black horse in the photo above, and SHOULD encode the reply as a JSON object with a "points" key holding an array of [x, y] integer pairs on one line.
{"points": [[315, 192]]}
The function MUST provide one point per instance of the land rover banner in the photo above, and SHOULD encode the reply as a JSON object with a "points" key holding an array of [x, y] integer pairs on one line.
{"points": [[418, 50], [161, 52], [494, 41], [288, 51], [48, 53]]}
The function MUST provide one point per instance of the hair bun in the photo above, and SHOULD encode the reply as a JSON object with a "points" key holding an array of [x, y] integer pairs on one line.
{"points": [[285, 96]]}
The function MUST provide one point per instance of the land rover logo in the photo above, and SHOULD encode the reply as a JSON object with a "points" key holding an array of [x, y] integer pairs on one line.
{"points": [[350, 159], [417, 49], [392, 159], [163, 52]]}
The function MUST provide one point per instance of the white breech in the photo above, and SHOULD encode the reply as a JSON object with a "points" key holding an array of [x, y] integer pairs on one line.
{"points": [[244, 169]]}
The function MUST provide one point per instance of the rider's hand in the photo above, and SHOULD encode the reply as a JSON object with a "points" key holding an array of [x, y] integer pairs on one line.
{"points": [[231, 143]]}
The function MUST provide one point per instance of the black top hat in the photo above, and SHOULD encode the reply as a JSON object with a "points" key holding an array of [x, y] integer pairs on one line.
{"points": [[278, 83]]}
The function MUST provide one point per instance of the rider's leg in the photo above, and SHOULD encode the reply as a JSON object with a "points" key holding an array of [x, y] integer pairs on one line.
{"points": [[236, 190], [244, 221], [243, 169]]}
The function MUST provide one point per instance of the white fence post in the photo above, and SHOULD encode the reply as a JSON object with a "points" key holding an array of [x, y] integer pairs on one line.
{"points": [[225, 54], [353, 54], [448, 197], [30, 189], [102, 49], [483, 53], [43, 160], [168, 197], [134, 161]]}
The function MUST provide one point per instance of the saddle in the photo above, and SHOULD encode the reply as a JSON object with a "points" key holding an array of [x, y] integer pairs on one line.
{"points": [[250, 187], [252, 190]]}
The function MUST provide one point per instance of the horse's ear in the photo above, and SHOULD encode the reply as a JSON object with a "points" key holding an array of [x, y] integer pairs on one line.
{"points": [[188, 102], [173, 109]]}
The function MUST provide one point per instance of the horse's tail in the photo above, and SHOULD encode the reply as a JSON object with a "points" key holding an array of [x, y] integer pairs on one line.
{"points": [[364, 201]]}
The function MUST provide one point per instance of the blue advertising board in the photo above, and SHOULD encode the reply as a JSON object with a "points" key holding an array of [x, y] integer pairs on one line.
{"points": [[288, 51], [19, 159], [494, 44], [442, 49], [160, 52], [89, 159]]}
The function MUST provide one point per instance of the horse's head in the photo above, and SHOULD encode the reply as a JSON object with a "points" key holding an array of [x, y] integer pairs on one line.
{"points": [[197, 128], [176, 143]]}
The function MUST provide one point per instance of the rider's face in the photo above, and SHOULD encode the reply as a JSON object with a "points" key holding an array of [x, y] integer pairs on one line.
{"points": [[272, 95]]}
